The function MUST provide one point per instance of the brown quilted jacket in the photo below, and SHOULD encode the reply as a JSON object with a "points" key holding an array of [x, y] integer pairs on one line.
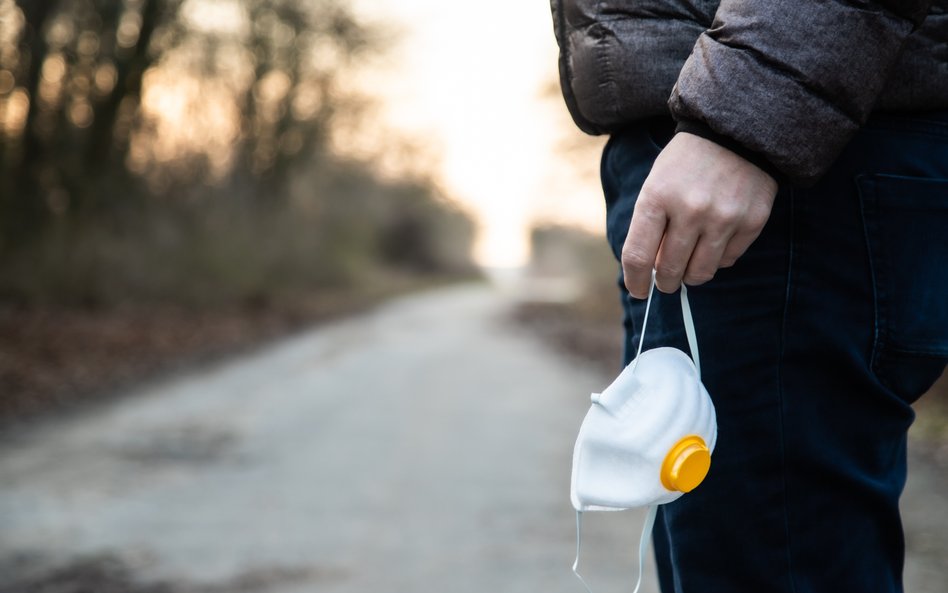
{"points": [[788, 80]]}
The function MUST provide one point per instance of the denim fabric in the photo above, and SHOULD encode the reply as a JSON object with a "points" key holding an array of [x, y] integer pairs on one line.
{"points": [[813, 346]]}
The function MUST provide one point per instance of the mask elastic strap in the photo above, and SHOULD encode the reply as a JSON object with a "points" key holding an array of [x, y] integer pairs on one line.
{"points": [[648, 305], [643, 545], [690, 329], [643, 542], [686, 316], [579, 539]]}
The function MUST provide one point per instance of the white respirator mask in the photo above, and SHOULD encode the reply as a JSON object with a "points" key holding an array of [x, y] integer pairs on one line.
{"points": [[647, 438]]}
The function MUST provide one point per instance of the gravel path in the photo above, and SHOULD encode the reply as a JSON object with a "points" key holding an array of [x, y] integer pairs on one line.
{"points": [[421, 448]]}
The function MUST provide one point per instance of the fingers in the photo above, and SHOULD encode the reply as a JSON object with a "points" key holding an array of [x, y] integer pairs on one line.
{"points": [[679, 249], [706, 259], [736, 247], [699, 209], [674, 255], [641, 248]]}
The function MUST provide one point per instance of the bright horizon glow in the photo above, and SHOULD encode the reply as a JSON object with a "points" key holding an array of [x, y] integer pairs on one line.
{"points": [[469, 87]]}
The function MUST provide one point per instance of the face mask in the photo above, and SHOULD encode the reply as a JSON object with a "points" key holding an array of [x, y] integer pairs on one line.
{"points": [[647, 438]]}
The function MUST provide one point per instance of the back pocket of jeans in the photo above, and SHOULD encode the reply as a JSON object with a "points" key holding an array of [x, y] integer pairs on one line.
{"points": [[906, 223]]}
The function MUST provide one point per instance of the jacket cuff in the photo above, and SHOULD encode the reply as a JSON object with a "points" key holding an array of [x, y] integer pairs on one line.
{"points": [[698, 128]]}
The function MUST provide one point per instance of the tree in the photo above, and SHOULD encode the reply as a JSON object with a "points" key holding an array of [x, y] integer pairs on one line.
{"points": [[77, 135], [179, 150]]}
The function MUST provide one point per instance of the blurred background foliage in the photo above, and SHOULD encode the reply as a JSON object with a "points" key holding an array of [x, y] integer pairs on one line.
{"points": [[179, 151], [169, 189], [575, 303]]}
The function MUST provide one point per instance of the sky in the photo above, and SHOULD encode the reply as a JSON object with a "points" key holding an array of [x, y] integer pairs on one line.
{"points": [[470, 85]]}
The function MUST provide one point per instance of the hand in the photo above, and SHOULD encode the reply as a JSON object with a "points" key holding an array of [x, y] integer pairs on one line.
{"points": [[699, 209]]}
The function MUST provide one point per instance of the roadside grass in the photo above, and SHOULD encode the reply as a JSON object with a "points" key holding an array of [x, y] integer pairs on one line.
{"points": [[101, 300], [56, 360]]}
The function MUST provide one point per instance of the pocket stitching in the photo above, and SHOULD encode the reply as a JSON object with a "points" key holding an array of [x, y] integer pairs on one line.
{"points": [[868, 199], [868, 188]]}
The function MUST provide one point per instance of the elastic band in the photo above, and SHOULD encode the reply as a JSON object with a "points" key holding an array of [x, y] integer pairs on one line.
{"points": [[644, 540], [648, 305], [579, 539], [643, 545], [690, 329], [685, 315]]}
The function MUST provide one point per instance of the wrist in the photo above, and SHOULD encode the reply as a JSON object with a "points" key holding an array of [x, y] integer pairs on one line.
{"points": [[702, 130]]}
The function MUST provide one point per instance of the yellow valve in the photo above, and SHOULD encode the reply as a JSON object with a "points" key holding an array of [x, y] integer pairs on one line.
{"points": [[686, 464]]}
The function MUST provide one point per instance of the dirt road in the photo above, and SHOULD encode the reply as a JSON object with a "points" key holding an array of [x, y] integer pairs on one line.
{"points": [[421, 448]]}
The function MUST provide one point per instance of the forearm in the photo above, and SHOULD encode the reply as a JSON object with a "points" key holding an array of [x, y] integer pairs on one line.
{"points": [[792, 80]]}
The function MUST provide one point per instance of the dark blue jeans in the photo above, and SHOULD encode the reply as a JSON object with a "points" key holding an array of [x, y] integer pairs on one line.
{"points": [[813, 346]]}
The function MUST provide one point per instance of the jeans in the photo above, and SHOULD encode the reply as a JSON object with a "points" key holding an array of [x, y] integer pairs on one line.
{"points": [[813, 348]]}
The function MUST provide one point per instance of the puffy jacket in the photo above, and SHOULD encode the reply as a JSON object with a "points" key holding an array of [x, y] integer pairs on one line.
{"points": [[789, 81]]}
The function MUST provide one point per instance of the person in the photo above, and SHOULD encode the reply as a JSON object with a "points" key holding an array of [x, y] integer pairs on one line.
{"points": [[789, 160]]}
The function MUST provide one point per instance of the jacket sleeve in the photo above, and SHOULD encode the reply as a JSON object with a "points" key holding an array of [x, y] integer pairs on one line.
{"points": [[792, 80]]}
